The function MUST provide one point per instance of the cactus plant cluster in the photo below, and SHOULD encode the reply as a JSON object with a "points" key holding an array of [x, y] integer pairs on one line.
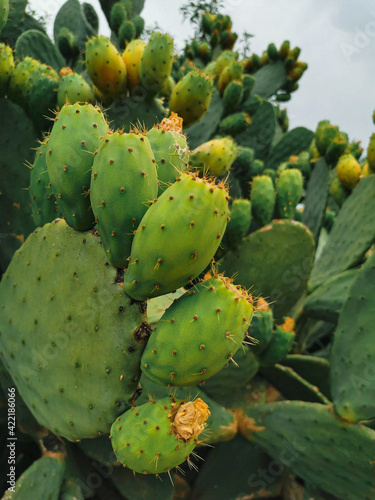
{"points": [[183, 277]]}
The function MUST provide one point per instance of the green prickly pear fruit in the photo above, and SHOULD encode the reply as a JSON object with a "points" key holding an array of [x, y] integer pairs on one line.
{"points": [[191, 97], [198, 334], [170, 150], [168, 434], [214, 157], [139, 24], [242, 165], [264, 59], [284, 97], [337, 148], [73, 88], [238, 225], [261, 326], [324, 135], [348, 171], [122, 162], [337, 191], [303, 164], [126, 33], [289, 192], [105, 67], [156, 63], [273, 53], [280, 344], [223, 61], [355, 149], [177, 237], [132, 56], [232, 96], [371, 153], [230, 73], [271, 173], [284, 50], [252, 105], [4, 11], [262, 199], [235, 123], [209, 70], [6, 67], [118, 15], [313, 151], [67, 43], [43, 202], [41, 93], [248, 83], [19, 78], [73, 141]]}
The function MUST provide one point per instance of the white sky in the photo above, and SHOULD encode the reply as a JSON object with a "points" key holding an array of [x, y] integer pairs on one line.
{"points": [[337, 38]]}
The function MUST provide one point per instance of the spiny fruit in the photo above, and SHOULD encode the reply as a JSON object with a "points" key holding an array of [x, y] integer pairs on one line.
{"points": [[324, 135], [41, 93], [289, 192], [262, 199], [43, 202], [6, 67], [4, 11], [280, 344], [239, 224], [214, 157], [198, 334], [235, 123], [73, 141], [105, 67], [348, 171], [232, 72], [371, 153], [156, 63], [191, 97], [126, 33], [73, 88], [18, 80], [132, 57], [166, 434], [261, 325], [123, 181], [177, 237], [170, 150]]}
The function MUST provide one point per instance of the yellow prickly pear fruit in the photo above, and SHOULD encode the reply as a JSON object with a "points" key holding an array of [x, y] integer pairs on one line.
{"points": [[371, 153], [215, 156], [232, 72], [132, 56], [365, 170], [348, 171], [105, 67], [6, 67]]}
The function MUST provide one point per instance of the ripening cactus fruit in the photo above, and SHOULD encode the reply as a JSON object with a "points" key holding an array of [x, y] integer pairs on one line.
{"points": [[191, 97], [262, 199], [73, 141], [177, 237], [214, 157], [280, 344], [324, 135], [371, 153], [105, 67], [6, 67], [159, 435], [123, 182], [73, 88], [19, 78], [198, 334], [156, 63], [230, 73], [170, 150], [289, 192], [132, 57], [4, 11], [348, 171], [261, 326]]}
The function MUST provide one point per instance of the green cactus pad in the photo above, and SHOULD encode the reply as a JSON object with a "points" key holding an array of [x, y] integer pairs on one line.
{"points": [[316, 444], [293, 143], [313, 369], [316, 198], [326, 301], [4, 11], [142, 487], [79, 127], [54, 306], [122, 162], [349, 239], [269, 79], [282, 277], [352, 353], [35, 44], [129, 112], [177, 237], [185, 352], [71, 15]]}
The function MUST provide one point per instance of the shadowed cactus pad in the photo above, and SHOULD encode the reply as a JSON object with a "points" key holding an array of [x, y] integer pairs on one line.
{"points": [[71, 338], [166, 434]]}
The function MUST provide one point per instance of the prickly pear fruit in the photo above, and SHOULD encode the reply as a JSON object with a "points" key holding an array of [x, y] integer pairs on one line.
{"points": [[177, 237], [232, 96], [214, 157], [248, 83], [170, 150], [289, 192], [238, 225], [324, 135], [74, 138], [232, 72], [73, 88], [77, 337], [273, 53], [284, 49], [132, 56], [105, 67], [337, 148], [348, 171], [6, 67], [118, 15], [191, 97], [280, 344], [18, 80], [198, 334], [337, 191], [261, 326], [4, 11], [371, 153], [123, 181], [168, 431], [139, 24], [43, 202], [126, 33], [262, 199], [235, 123], [223, 61], [67, 43], [156, 63]]}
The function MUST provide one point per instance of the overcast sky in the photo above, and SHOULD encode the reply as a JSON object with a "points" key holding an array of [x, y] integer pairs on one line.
{"points": [[337, 38]]}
